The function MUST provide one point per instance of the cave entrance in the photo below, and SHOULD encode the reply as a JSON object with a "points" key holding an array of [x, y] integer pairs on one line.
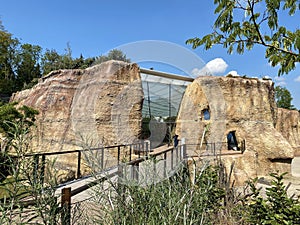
{"points": [[232, 142]]}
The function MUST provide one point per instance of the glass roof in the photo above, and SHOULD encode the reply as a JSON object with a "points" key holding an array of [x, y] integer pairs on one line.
{"points": [[162, 93]]}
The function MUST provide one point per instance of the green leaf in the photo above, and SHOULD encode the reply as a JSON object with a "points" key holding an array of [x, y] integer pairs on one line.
{"points": [[259, 26]]}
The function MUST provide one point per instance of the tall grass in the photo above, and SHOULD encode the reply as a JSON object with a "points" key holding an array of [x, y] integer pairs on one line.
{"points": [[21, 185], [212, 199], [171, 201]]}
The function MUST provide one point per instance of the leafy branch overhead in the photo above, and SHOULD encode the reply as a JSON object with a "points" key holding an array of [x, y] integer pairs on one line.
{"points": [[241, 24]]}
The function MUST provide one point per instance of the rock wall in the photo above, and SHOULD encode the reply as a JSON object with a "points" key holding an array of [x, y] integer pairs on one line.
{"points": [[288, 124], [243, 105], [98, 106]]}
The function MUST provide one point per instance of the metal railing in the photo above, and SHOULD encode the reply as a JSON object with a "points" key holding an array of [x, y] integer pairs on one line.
{"points": [[212, 149], [169, 159], [116, 153], [161, 164]]}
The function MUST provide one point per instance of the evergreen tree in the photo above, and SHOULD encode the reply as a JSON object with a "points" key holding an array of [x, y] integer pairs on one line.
{"points": [[8, 50], [28, 69]]}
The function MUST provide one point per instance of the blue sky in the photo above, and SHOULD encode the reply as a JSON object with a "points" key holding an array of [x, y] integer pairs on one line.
{"points": [[93, 27]]}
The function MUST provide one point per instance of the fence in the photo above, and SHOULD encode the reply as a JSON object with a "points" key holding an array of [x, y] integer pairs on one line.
{"points": [[115, 153], [211, 149], [132, 164], [159, 165]]}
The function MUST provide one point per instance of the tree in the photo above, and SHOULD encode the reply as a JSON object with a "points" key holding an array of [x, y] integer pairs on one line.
{"points": [[114, 54], [8, 49], [283, 98], [28, 68], [244, 23], [52, 60], [81, 63]]}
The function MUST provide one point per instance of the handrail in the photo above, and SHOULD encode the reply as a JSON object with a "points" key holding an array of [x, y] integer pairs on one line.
{"points": [[40, 164], [74, 151], [130, 163]]}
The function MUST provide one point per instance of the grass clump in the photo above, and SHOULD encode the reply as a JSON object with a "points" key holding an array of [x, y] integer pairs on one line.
{"points": [[171, 201], [212, 199]]}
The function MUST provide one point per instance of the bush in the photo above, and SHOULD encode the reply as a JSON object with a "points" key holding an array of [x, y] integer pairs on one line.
{"points": [[276, 208]]}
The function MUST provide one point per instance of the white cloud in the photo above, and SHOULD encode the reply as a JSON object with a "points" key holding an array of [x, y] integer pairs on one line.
{"points": [[213, 67], [297, 79]]}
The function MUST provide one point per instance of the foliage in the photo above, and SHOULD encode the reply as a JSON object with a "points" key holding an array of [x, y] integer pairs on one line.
{"points": [[171, 201], [28, 67], [26, 179], [23, 116], [52, 60], [242, 24], [213, 199], [14, 124], [114, 54], [170, 123], [276, 208], [8, 49], [21, 65], [283, 98]]}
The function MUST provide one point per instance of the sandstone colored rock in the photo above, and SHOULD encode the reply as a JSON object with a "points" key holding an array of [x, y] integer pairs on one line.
{"points": [[98, 106], [288, 124], [243, 105]]}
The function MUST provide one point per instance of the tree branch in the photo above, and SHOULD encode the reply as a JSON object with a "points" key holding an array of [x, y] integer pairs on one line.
{"points": [[263, 44], [254, 22]]}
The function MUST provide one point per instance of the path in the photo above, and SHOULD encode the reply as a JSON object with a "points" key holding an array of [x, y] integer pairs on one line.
{"points": [[145, 175]]}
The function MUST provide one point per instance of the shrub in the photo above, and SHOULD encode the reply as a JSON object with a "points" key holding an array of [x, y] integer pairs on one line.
{"points": [[276, 208]]}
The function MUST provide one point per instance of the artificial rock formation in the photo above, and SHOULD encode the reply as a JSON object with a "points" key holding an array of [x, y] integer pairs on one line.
{"points": [[243, 105], [288, 124], [98, 106]]}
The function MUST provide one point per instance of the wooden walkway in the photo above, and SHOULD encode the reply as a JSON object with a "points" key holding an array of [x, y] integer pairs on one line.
{"points": [[81, 188]]}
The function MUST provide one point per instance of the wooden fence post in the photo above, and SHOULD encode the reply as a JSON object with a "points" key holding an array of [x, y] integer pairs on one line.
{"points": [[154, 166], [66, 206], [121, 178]]}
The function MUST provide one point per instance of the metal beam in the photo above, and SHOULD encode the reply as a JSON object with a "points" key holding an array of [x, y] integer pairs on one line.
{"points": [[166, 75]]}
